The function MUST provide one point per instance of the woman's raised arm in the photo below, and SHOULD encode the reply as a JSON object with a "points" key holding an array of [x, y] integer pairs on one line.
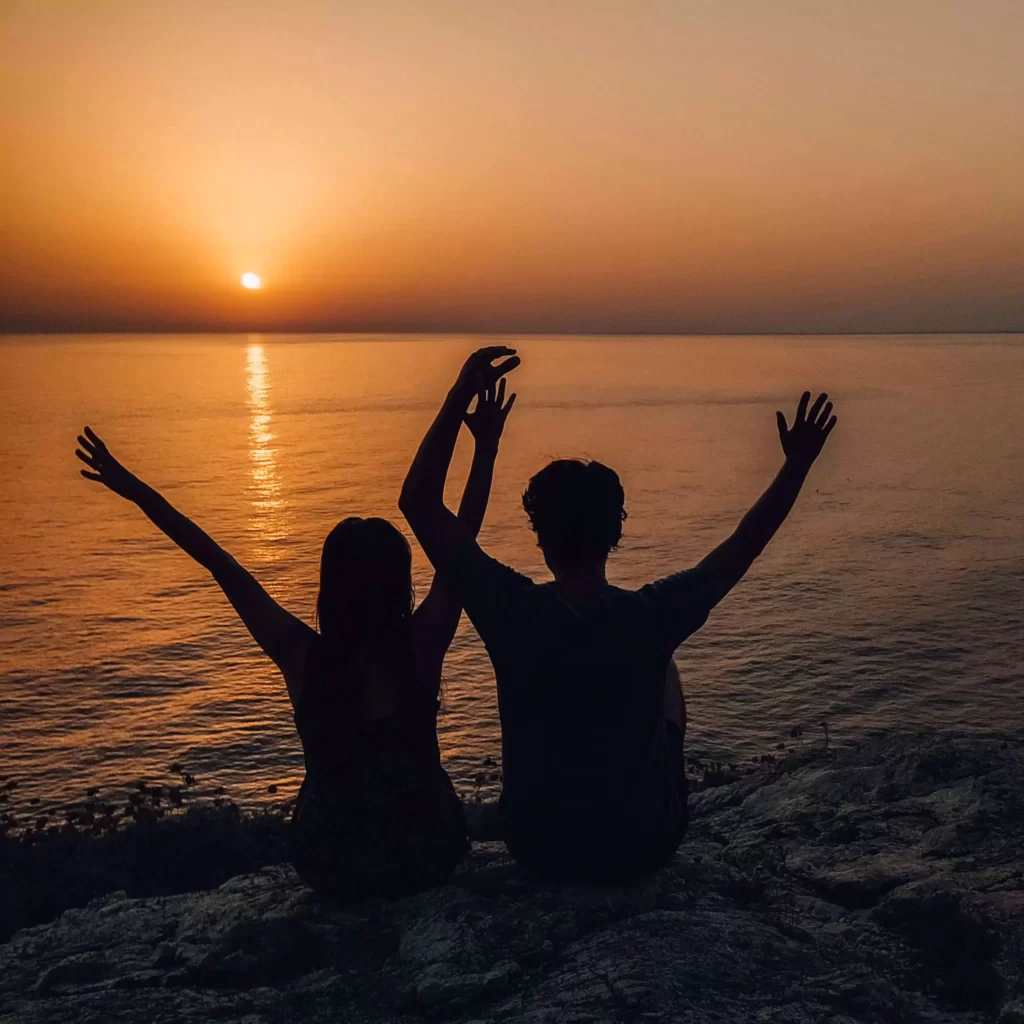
{"points": [[281, 635], [437, 617]]}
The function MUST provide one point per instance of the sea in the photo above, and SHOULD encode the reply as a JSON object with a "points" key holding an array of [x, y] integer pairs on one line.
{"points": [[892, 597]]}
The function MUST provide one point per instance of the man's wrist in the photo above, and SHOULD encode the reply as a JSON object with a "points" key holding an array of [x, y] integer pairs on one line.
{"points": [[795, 466], [459, 397]]}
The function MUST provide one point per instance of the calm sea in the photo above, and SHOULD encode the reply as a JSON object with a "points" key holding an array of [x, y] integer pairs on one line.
{"points": [[891, 598]]}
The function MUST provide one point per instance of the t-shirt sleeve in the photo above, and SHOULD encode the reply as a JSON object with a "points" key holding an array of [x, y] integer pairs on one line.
{"points": [[487, 589], [682, 601]]}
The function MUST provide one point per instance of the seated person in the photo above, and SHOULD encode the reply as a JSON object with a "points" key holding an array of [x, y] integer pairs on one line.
{"points": [[591, 734], [376, 814]]}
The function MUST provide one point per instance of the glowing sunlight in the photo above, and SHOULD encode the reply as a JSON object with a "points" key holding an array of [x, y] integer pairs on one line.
{"points": [[267, 503]]}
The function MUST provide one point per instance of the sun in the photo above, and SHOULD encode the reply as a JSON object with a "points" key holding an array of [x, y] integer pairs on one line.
{"points": [[251, 281]]}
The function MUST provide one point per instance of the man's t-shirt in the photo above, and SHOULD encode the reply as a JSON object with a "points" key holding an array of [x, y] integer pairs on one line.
{"points": [[588, 786]]}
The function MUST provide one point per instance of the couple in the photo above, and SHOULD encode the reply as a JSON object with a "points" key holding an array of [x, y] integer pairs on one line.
{"points": [[592, 721]]}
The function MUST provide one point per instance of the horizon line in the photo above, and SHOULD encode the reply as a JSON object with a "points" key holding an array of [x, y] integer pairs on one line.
{"points": [[165, 332]]}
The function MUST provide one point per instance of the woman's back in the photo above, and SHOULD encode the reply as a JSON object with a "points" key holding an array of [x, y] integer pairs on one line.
{"points": [[377, 813], [368, 745]]}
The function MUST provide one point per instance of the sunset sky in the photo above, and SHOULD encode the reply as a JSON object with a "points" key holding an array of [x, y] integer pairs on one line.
{"points": [[722, 165]]}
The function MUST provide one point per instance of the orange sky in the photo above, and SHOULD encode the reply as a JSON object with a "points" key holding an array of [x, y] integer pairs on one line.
{"points": [[683, 165]]}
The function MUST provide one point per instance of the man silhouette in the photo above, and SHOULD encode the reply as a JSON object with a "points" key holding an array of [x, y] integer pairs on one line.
{"points": [[592, 731]]}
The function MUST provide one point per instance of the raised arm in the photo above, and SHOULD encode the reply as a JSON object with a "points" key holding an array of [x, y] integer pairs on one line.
{"points": [[281, 635], [422, 498], [437, 617], [486, 423], [801, 444]]}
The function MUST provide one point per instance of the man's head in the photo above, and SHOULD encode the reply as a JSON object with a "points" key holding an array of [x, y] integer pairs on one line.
{"points": [[576, 510]]}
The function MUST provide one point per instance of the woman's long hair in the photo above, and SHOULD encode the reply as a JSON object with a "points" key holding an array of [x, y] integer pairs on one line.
{"points": [[364, 609]]}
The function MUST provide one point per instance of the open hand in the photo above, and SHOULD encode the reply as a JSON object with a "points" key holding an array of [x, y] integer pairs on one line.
{"points": [[803, 442], [105, 468], [479, 371], [487, 420]]}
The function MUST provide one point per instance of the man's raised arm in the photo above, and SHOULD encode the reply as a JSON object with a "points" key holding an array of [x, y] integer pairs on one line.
{"points": [[802, 444], [422, 498]]}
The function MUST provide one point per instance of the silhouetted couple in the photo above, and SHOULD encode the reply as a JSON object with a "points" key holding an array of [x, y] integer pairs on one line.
{"points": [[592, 714]]}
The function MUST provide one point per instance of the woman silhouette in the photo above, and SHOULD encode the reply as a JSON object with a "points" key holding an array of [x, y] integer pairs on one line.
{"points": [[376, 814]]}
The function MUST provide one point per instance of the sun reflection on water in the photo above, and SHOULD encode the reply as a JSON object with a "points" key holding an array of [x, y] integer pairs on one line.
{"points": [[268, 505]]}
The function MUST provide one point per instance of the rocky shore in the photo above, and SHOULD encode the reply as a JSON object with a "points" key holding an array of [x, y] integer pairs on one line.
{"points": [[882, 883]]}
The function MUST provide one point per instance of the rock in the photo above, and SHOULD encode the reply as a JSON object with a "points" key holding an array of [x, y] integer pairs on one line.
{"points": [[1012, 1013], [78, 970], [438, 984], [847, 886], [860, 884], [442, 983], [262, 952], [957, 947], [165, 954], [944, 841]]}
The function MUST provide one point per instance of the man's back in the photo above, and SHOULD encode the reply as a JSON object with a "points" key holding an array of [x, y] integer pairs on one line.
{"points": [[589, 784]]}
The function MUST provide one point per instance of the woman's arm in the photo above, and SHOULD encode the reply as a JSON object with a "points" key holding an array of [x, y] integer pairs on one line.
{"points": [[281, 635], [486, 423], [422, 497], [437, 617]]}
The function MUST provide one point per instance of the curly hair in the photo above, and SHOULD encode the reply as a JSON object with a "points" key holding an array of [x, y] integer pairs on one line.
{"points": [[576, 508]]}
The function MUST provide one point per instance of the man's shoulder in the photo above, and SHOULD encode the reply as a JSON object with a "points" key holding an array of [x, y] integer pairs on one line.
{"points": [[660, 597], [512, 575], [686, 582], [470, 557], [471, 567]]}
